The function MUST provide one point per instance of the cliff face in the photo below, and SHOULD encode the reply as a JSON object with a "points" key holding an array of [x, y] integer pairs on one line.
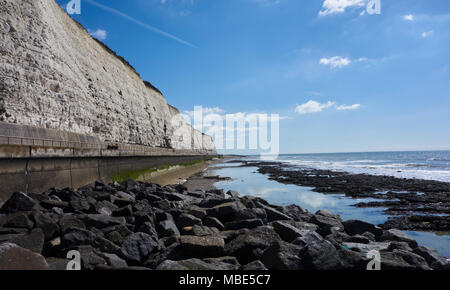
{"points": [[53, 74]]}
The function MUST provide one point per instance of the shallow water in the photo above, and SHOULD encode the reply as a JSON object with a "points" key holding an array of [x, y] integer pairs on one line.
{"points": [[247, 181]]}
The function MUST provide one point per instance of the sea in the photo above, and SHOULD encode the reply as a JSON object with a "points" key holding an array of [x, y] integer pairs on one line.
{"points": [[430, 165]]}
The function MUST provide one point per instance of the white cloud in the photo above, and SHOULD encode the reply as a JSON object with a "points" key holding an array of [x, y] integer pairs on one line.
{"points": [[339, 6], [362, 59], [312, 107], [99, 34], [427, 33], [408, 17], [352, 107], [335, 61]]}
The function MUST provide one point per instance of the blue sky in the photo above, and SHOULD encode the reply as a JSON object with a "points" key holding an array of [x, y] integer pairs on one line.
{"points": [[342, 79]]}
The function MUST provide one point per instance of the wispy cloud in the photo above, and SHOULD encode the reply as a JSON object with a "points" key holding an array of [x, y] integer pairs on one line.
{"points": [[138, 22], [408, 17], [345, 108], [339, 6], [426, 34], [311, 107], [335, 61], [99, 34]]}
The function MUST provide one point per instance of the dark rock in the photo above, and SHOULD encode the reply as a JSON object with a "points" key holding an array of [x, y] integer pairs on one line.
{"points": [[434, 259], [244, 224], [18, 202], [194, 264], [125, 211], [326, 222], [167, 228], [212, 202], [90, 258], [394, 261], [187, 220], [199, 231], [79, 203], [197, 212], [255, 266], [57, 264], [283, 256], [202, 247], [77, 237], [180, 188], [114, 261], [105, 207], [356, 227], [137, 247], [286, 231], [115, 237], [225, 212], [251, 213], [358, 239], [18, 220], [213, 223], [69, 221], [275, 215], [149, 229], [232, 193], [46, 223], [13, 257], [102, 221], [399, 236], [243, 246], [320, 254], [33, 241], [51, 203]]}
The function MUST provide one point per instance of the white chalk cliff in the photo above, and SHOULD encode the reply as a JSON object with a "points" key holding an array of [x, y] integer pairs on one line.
{"points": [[53, 74]]}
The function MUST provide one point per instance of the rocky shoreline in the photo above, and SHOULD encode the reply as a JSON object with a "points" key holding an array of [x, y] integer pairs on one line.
{"points": [[421, 205], [143, 226]]}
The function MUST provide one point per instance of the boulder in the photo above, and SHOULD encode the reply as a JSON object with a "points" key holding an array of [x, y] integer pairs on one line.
{"points": [[137, 247], [125, 211], [326, 222], [275, 215], [187, 220], [46, 223], [13, 257], [77, 237], [254, 266], [114, 261], [225, 212], [199, 231], [18, 220], [356, 227], [202, 247], [33, 241], [70, 221], [102, 220], [399, 236], [286, 231], [319, 253], [283, 256], [213, 223], [247, 247], [244, 224], [433, 258], [167, 228], [18, 202]]}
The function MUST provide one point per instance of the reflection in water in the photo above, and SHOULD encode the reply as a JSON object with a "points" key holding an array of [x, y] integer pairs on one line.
{"points": [[247, 181]]}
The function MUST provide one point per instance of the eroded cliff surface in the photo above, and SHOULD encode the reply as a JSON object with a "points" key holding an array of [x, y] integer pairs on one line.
{"points": [[53, 74]]}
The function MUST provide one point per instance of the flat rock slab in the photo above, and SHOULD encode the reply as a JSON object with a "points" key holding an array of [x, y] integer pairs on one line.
{"points": [[13, 257], [206, 247]]}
